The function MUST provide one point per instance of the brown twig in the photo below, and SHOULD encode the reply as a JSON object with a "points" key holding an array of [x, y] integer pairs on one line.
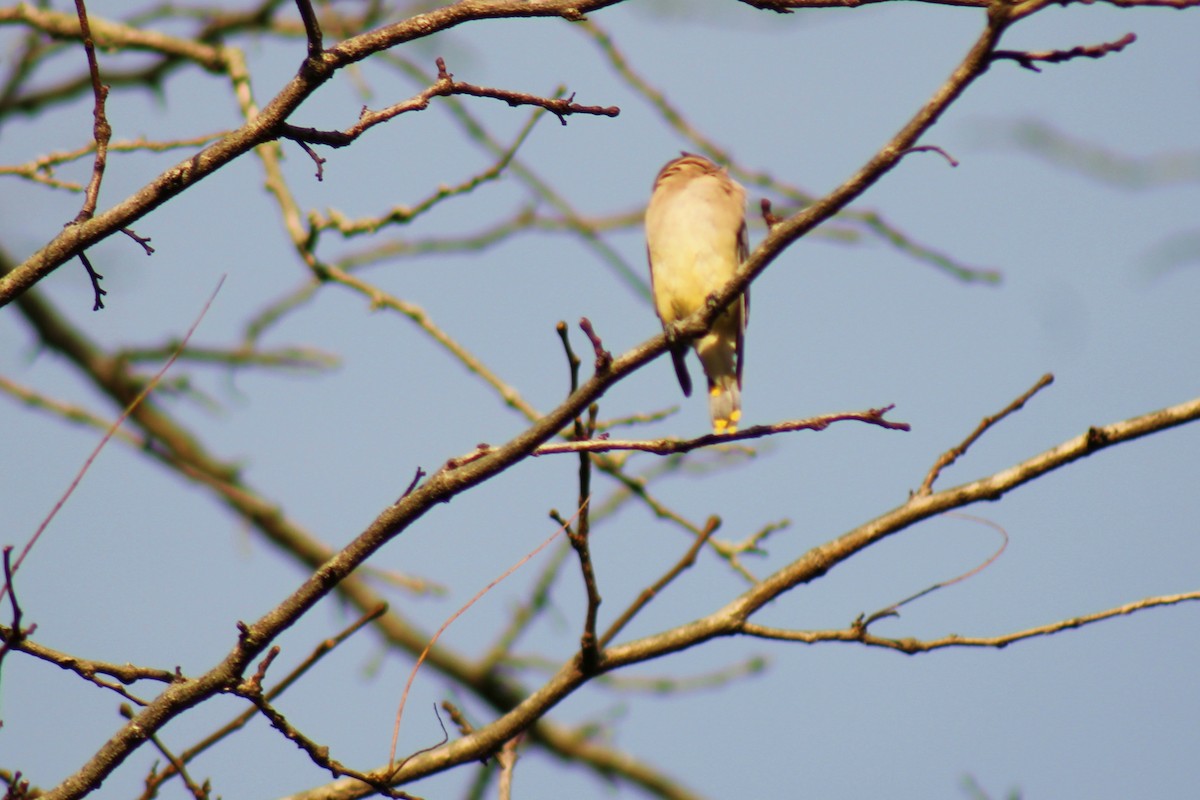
{"points": [[95, 277], [865, 621], [323, 649], [101, 130], [312, 28], [143, 241], [604, 358], [910, 645], [653, 590], [199, 792], [932, 148], [671, 446], [433, 639], [579, 534], [953, 454], [583, 227], [19, 787], [420, 473], [580, 541], [89, 669], [149, 387], [1028, 59], [559, 107], [573, 362], [443, 86], [251, 689], [404, 214], [318, 160], [14, 635]]}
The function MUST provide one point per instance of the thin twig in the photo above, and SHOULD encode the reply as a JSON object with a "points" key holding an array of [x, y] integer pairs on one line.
{"points": [[523, 615], [652, 591], [911, 646], [603, 357], [95, 277], [324, 648], [1028, 59], [197, 791], [893, 610], [251, 689], [433, 639], [578, 535], [580, 541], [443, 86], [933, 148], [405, 214], [149, 387], [953, 454], [671, 446], [15, 634], [101, 130]]}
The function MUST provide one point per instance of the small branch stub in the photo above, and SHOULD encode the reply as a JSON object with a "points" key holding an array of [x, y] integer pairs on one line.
{"points": [[604, 358]]}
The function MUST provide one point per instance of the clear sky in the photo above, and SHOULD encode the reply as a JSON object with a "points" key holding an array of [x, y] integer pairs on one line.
{"points": [[1100, 286]]}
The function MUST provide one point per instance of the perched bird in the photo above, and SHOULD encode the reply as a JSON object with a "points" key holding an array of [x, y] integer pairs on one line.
{"points": [[696, 240]]}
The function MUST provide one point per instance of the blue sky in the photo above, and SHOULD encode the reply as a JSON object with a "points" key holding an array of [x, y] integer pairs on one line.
{"points": [[143, 567]]}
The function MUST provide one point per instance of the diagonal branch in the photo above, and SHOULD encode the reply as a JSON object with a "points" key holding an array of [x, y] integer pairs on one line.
{"points": [[953, 454]]}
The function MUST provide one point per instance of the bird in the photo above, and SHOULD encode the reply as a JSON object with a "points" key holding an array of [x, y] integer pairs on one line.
{"points": [[695, 242]]}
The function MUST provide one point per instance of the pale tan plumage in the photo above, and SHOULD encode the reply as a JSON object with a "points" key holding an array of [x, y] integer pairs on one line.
{"points": [[696, 240]]}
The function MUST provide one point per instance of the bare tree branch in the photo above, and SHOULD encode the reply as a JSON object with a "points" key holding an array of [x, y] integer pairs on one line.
{"points": [[859, 634], [1028, 59], [953, 454]]}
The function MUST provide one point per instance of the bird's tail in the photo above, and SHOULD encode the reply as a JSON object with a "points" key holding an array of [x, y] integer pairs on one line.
{"points": [[724, 403], [719, 355]]}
